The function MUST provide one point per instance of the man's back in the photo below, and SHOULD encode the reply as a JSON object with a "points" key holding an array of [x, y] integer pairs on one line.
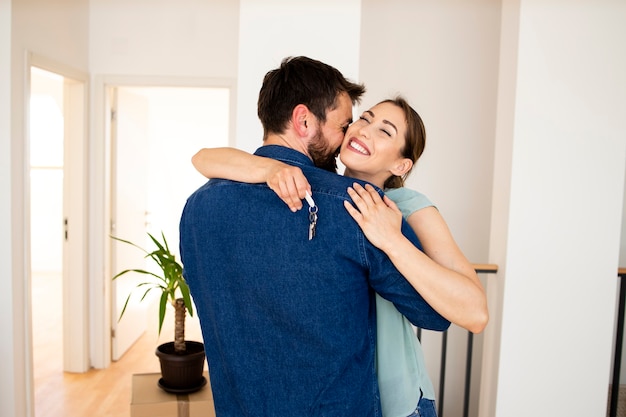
{"points": [[288, 322]]}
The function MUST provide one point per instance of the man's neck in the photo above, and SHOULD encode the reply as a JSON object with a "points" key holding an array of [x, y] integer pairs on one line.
{"points": [[287, 141]]}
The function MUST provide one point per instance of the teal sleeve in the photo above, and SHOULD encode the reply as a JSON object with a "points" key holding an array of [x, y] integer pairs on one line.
{"points": [[408, 201]]}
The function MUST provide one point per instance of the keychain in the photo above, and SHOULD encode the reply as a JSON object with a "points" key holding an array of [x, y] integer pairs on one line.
{"points": [[312, 215]]}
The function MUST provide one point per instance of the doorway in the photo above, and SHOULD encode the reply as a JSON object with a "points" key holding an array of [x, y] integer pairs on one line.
{"points": [[154, 132], [46, 208], [56, 191]]}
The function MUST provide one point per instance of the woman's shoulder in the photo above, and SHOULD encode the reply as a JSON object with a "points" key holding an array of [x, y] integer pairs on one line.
{"points": [[403, 193], [408, 200]]}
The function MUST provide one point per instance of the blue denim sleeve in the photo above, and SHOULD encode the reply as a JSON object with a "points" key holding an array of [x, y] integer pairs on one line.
{"points": [[391, 285]]}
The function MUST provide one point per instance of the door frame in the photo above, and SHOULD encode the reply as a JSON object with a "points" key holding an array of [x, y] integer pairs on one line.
{"points": [[100, 197], [75, 284]]}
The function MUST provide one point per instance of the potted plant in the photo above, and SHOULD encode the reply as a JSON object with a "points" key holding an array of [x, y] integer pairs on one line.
{"points": [[182, 361]]}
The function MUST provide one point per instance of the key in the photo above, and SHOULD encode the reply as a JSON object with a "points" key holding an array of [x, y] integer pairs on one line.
{"points": [[312, 221], [312, 215]]}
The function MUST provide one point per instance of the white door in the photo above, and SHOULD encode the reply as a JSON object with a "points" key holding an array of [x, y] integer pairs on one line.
{"points": [[75, 283], [129, 171]]}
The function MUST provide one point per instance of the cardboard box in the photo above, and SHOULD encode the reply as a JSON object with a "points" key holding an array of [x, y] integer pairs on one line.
{"points": [[148, 400]]}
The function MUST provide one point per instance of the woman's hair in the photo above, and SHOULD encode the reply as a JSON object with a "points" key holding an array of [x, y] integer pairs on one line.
{"points": [[301, 80], [414, 141]]}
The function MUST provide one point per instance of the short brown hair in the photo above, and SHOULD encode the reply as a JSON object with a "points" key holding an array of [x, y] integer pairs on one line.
{"points": [[301, 80]]}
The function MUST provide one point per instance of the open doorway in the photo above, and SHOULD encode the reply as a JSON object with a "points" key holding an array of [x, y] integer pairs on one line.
{"points": [[46, 208], [154, 132], [56, 195]]}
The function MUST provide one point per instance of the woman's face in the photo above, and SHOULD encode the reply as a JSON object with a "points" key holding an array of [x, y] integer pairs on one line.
{"points": [[371, 149]]}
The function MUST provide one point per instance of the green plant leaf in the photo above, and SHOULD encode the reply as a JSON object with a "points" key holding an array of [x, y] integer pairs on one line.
{"points": [[124, 308], [162, 306], [130, 243], [184, 290], [168, 283], [140, 271]]}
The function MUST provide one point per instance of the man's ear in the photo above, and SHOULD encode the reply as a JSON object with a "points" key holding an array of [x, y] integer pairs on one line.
{"points": [[401, 167], [301, 119]]}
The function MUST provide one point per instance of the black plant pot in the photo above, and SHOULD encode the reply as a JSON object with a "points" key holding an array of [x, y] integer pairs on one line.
{"points": [[181, 372]]}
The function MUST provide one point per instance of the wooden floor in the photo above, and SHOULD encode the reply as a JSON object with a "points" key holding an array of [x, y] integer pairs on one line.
{"points": [[97, 393]]}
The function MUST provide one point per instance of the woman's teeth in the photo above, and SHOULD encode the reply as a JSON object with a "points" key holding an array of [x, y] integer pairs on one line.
{"points": [[358, 148]]}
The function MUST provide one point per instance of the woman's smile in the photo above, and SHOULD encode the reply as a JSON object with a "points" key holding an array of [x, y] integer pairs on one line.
{"points": [[356, 145]]}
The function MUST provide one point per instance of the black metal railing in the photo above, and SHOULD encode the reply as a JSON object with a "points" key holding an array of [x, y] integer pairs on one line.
{"points": [[619, 340], [480, 269]]}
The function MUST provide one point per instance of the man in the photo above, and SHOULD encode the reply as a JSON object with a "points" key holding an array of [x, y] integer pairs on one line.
{"points": [[285, 300]]}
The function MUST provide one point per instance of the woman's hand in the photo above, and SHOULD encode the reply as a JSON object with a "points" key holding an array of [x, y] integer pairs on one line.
{"points": [[289, 183], [379, 218]]}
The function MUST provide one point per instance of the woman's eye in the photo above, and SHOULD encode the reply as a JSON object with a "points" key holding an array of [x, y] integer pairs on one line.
{"points": [[364, 119], [386, 132]]}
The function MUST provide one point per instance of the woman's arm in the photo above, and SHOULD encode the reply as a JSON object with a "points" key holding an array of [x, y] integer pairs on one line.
{"points": [[287, 181], [441, 274]]}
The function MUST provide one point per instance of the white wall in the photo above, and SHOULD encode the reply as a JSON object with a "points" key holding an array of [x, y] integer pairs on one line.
{"points": [[12, 396], [55, 29], [561, 126], [270, 30], [192, 38]]}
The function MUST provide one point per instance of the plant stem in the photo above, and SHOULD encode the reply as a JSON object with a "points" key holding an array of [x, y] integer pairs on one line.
{"points": [[179, 325]]}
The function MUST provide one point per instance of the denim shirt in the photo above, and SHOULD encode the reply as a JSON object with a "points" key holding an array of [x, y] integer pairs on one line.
{"points": [[289, 323]]}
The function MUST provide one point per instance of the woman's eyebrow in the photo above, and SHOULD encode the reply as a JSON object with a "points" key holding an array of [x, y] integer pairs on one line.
{"points": [[371, 113], [391, 124]]}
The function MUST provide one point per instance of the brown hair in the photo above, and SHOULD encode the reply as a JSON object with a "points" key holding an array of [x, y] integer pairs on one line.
{"points": [[414, 141], [301, 80]]}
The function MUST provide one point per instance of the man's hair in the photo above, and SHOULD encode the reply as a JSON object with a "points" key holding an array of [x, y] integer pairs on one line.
{"points": [[301, 80]]}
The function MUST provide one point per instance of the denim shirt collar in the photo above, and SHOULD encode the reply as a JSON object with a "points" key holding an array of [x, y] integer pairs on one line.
{"points": [[285, 154]]}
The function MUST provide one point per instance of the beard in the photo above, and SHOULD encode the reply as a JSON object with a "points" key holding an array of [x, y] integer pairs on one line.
{"points": [[323, 157]]}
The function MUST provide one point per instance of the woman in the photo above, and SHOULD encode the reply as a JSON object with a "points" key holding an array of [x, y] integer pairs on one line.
{"points": [[381, 147]]}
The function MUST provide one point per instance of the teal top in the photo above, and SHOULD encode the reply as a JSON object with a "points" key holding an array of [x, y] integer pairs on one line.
{"points": [[400, 364]]}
